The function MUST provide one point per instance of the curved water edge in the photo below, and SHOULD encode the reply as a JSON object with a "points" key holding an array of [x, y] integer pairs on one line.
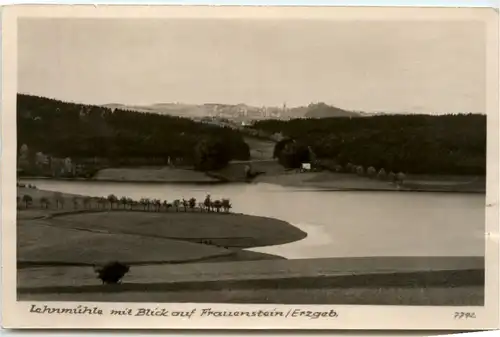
{"points": [[347, 224], [249, 233], [161, 182], [136, 236], [421, 188]]}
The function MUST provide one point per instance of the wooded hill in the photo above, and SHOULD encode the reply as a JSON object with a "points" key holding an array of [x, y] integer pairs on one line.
{"points": [[424, 144], [122, 137]]}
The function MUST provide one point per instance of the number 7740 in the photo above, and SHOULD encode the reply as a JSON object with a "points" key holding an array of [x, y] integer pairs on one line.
{"points": [[464, 315]]}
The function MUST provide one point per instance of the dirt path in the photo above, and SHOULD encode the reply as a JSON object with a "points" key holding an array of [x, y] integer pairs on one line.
{"points": [[260, 149]]}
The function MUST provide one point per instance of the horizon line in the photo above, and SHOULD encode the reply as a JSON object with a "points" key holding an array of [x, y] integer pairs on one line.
{"points": [[130, 106]]}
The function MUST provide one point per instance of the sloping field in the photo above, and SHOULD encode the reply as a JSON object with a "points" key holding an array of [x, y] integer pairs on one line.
{"points": [[75, 237], [412, 281], [235, 171], [229, 229], [326, 180], [260, 149], [311, 271], [47, 245], [435, 296], [151, 174], [343, 181]]}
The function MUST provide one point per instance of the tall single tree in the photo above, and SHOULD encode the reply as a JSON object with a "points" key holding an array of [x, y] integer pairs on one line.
{"points": [[226, 205], [400, 177], [192, 203], [130, 202], [124, 202], [360, 170], [87, 202], [143, 203], [157, 205], [44, 201], [102, 202], [76, 201], [371, 171], [208, 202], [280, 145], [27, 199], [185, 204], [211, 154], [177, 204], [217, 205], [112, 199], [59, 199], [382, 175], [294, 154]]}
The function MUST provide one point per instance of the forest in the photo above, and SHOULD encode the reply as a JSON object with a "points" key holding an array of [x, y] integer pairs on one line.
{"points": [[418, 144], [453, 144], [122, 137]]}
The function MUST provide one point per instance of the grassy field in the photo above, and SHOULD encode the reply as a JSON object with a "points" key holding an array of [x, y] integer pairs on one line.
{"points": [[235, 230], [272, 172], [260, 149], [42, 244], [436, 296], [139, 237], [153, 174], [235, 171], [343, 181], [321, 272], [396, 280], [172, 261]]}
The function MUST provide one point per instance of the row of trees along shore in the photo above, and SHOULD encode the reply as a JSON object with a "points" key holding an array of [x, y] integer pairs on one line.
{"points": [[114, 203], [417, 144], [121, 137], [292, 154]]}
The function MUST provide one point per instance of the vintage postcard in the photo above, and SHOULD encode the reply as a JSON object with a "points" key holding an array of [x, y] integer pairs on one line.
{"points": [[249, 167]]}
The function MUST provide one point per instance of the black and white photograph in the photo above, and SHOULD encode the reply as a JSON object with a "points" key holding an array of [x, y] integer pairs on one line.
{"points": [[263, 160]]}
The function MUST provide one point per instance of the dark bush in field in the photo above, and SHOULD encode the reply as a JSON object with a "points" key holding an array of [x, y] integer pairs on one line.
{"points": [[111, 272]]}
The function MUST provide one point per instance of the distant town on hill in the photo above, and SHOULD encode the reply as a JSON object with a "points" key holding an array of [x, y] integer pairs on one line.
{"points": [[241, 111]]}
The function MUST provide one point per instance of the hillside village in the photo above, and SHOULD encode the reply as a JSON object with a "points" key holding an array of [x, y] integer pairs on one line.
{"points": [[241, 113]]}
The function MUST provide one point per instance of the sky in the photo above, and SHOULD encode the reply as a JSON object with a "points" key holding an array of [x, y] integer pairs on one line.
{"points": [[384, 66]]}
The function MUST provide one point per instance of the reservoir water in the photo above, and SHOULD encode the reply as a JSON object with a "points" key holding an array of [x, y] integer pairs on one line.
{"points": [[338, 224]]}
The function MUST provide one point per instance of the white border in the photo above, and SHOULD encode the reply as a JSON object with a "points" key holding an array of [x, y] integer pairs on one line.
{"points": [[342, 3], [16, 314]]}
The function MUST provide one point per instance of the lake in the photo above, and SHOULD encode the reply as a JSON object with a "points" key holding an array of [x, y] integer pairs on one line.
{"points": [[339, 224]]}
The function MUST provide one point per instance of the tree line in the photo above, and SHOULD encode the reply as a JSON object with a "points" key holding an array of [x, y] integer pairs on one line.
{"points": [[419, 144], [123, 137], [112, 202]]}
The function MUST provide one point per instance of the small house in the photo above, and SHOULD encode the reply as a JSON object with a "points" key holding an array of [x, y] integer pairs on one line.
{"points": [[306, 167]]}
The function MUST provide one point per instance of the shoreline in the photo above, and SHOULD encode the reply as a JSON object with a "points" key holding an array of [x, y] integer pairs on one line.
{"points": [[222, 237], [220, 276], [131, 181], [318, 187]]}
